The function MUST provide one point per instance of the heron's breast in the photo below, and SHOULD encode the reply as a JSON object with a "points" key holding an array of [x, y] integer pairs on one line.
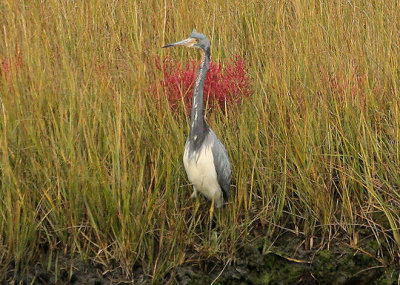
{"points": [[200, 169]]}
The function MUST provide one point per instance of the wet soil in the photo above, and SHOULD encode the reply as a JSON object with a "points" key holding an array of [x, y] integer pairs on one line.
{"points": [[259, 262]]}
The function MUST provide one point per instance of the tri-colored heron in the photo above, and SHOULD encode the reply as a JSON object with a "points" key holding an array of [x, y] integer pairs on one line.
{"points": [[205, 158]]}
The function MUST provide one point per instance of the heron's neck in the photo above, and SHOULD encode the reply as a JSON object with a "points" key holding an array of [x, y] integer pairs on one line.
{"points": [[197, 122]]}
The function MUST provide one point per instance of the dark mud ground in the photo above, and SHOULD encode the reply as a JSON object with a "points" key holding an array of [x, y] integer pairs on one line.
{"points": [[255, 263]]}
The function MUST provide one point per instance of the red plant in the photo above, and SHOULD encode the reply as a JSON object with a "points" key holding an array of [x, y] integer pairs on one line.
{"points": [[7, 63], [226, 83]]}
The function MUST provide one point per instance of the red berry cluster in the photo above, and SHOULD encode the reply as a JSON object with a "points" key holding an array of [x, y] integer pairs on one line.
{"points": [[226, 83], [7, 63]]}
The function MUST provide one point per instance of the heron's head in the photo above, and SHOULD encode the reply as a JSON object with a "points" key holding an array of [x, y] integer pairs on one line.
{"points": [[195, 40]]}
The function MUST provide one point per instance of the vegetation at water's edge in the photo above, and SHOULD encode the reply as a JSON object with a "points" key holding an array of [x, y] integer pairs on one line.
{"points": [[91, 159]]}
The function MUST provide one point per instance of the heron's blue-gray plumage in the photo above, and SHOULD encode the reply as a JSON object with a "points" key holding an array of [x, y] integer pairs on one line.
{"points": [[222, 165], [198, 126]]}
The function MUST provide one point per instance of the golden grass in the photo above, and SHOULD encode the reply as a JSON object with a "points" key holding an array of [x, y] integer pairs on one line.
{"points": [[90, 161]]}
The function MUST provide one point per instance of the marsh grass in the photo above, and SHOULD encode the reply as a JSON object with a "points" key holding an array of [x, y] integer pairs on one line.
{"points": [[91, 163]]}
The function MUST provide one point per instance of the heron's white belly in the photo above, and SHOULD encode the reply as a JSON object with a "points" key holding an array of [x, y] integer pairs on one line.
{"points": [[202, 174]]}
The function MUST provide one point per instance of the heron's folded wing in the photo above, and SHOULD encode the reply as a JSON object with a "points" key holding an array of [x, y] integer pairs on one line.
{"points": [[222, 165]]}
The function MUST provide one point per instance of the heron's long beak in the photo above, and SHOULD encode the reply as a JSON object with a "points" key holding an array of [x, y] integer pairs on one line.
{"points": [[189, 42]]}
